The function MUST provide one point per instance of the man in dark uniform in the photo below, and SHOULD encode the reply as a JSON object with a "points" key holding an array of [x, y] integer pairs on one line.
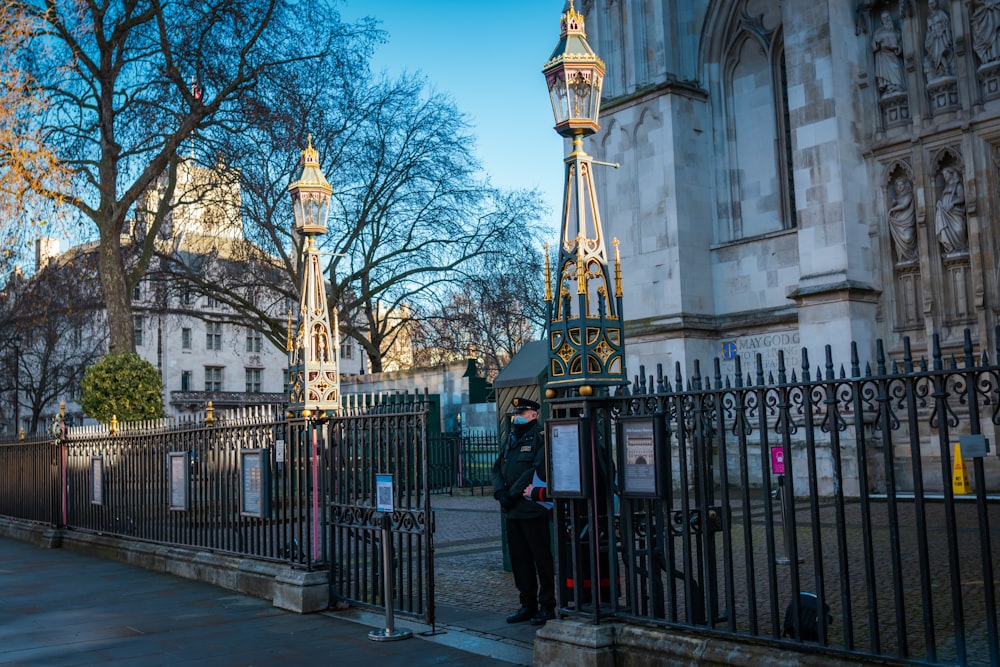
{"points": [[527, 522]]}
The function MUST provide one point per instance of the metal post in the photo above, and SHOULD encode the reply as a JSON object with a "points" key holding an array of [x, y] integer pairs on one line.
{"points": [[17, 384], [783, 498], [780, 497], [389, 633]]}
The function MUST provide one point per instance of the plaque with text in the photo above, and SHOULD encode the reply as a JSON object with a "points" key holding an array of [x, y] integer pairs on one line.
{"points": [[641, 468], [567, 469], [179, 473], [383, 493], [253, 487], [97, 480]]}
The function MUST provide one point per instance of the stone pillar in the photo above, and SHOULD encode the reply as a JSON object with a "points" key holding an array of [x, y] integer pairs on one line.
{"points": [[838, 287]]}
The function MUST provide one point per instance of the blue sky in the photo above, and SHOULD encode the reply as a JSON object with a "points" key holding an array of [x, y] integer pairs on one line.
{"points": [[487, 56]]}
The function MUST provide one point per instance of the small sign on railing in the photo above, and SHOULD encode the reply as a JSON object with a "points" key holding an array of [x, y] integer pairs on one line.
{"points": [[179, 473], [253, 490], [778, 460], [567, 474], [97, 480], [383, 493]]}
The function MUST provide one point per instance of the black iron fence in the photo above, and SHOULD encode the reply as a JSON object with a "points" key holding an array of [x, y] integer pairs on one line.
{"points": [[462, 461], [247, 482], [813, 506], [29, 470]]}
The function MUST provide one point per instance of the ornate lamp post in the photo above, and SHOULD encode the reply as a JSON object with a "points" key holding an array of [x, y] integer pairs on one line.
{"points": [[313, 373], [585, 337], [585, 327]]}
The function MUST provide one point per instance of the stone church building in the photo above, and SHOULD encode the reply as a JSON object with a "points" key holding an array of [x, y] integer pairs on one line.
{"points": [[797, 173]]}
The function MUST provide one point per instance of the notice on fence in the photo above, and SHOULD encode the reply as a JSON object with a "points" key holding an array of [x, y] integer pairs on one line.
{"points": [[252, 474], [640, 457], [564, 459], [383, 493], [96, 480], [178, 469]]}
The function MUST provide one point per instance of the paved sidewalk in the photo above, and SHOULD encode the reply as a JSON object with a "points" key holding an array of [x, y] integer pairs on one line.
{"points": [[59, 607]]}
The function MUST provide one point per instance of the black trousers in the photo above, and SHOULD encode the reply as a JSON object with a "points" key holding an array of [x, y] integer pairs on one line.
{"points": [[529, 542]]}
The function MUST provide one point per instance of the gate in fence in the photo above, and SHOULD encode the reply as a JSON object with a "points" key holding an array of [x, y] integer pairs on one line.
{"points": [[380, 445]]}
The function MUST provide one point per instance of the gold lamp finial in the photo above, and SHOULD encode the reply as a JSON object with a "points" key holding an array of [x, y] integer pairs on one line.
{"points": [[310, 156]]}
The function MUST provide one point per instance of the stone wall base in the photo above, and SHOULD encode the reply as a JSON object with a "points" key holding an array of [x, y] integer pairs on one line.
{"points": [[287, 588], [571, 643]]}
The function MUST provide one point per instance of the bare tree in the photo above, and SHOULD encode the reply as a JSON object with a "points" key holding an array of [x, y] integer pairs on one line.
{"points": [[56, 317], [495, 310], [411, 214], [126, 87]]}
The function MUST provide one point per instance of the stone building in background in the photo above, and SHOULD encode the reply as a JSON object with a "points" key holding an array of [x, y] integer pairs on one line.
{"points": [[800, 173]]}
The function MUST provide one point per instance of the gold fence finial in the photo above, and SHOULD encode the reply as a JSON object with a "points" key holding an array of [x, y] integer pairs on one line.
{"points": [[114, 424], [209, 414]]}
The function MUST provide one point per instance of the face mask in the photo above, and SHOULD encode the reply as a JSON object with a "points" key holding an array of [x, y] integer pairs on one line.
{"points": [[520, 419]]}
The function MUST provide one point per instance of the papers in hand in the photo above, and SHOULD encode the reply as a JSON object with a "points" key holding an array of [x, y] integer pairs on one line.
{"points": [[538, 482]]}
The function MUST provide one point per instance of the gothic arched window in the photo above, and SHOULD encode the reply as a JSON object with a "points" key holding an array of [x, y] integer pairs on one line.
{"points": [[757, 147]]}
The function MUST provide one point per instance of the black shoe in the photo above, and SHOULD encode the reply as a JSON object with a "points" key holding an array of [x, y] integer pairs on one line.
{"points": [[521, 615], [541, 617]]}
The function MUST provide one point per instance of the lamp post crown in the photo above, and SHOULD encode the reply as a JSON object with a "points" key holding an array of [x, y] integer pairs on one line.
{"points": [[311, 194], [574, 75]]}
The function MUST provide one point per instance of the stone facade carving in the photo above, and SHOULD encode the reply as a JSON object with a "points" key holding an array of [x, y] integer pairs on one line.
{"points": [[985, 23], [887, 45], [949, 217], [903, 220], [939, 54]]}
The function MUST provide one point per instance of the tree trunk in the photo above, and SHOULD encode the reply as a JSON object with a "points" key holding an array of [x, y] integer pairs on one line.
{"points": [[116, 296]]}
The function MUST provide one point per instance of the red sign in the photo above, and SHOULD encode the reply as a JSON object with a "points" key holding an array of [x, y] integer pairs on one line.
{"points": [[777, 460]]}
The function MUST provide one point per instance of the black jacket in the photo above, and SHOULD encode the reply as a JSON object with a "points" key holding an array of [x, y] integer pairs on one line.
{"points": [[516, 466]]}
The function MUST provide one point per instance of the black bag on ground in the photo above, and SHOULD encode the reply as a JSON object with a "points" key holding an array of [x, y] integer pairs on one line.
{"points": [[808, 618]]}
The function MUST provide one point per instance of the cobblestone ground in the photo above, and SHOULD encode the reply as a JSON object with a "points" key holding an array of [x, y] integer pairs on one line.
{"points": [[468, 555]]}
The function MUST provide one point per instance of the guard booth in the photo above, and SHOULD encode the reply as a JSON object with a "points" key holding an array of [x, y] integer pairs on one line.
{"points": [[524, 376]]}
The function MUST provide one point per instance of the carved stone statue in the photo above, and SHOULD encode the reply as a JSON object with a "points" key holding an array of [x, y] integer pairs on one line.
{"points": [[985, 22], [949, 219], [938, 50], [887, 45], [903, 220]]}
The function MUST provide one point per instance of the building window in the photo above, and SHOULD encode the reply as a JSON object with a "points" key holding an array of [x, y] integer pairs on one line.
{"points": [[253, 380], [213, 335], [186, 338], [137, 327], [137, 293], [186, 298], [760, 193], [185, 380], [254, 339], [213, 378], [345, 350], [212, 302]]}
